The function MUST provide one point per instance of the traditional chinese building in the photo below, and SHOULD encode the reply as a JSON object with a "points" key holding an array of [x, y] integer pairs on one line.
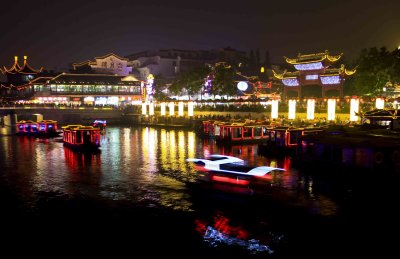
{"points": [[92, 89], [109, 64], [314, 76], [17, 77]]}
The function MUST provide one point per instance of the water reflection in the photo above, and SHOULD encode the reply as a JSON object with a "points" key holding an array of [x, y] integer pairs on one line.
{"points": [[222, 231], [147, 167]]}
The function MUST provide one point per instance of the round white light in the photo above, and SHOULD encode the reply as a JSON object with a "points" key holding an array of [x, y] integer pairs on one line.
{"points": [[242, 86]]}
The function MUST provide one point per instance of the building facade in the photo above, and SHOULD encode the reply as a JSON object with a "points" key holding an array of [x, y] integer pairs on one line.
{"points": [[109, 64], [315, 76]]}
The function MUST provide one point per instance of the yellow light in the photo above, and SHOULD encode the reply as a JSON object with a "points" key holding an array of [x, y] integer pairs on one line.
{"points": [[190, 108], [310, 109], [380, 103], [292, 109], [144, 109], [331, 109], [162, 107], [151, 109], [354, 106], [180, 108], [171, 109], [274, 109], [262, 70]]}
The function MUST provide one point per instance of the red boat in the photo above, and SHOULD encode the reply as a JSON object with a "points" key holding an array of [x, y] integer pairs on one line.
{"points": [[81, 138]]}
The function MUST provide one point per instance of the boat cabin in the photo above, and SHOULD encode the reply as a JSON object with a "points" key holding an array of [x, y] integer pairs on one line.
{"points": [[81, 137], [102, 124], [27, 127]]}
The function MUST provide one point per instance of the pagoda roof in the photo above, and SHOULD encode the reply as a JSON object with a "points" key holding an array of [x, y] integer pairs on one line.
{"points": [[27, 69], [24, 69], [40, 80], [91, 79], [84, 63], [13, 69], [311, 58], [328, 72], [112, 54]]}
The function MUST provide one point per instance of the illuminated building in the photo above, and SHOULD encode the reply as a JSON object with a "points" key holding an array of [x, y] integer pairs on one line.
{"points": [[314, 76], [17, 77], [109, 64], [93, 89]]}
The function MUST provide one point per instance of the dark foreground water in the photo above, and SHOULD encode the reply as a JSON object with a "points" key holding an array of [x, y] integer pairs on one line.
{"points": [[138, 197]]}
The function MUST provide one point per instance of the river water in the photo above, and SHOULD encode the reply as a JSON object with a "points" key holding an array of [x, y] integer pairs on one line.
{"points": [[139, 196]]}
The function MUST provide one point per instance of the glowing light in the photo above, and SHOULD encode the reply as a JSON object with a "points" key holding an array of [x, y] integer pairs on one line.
{"points": [[309, 66], [380, 103], [262, 70], [310, 109], [144, 109], [242, 86], [330, 80], [354, 106], [331, 109], [171, 109], [180, 109], [162, 107], [311, 77], [88, 99], [151, 108], [290, 81], [274, 109], [190, 109], [292, 109]]}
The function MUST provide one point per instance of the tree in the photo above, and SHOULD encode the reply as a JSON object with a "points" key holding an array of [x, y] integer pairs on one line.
{"points": [[375, 69], [223, 83], [190, 82]]}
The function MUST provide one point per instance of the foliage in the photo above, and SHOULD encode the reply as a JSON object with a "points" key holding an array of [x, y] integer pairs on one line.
{"points": [[190, 82], [376, 69], [223, 83]]}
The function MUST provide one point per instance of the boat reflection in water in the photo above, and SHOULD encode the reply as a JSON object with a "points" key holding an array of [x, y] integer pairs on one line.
{"points": [[221, 231], [78, 160]]}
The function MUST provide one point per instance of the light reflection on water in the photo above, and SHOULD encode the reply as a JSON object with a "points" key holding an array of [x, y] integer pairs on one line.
{"points": [[146, 167]]}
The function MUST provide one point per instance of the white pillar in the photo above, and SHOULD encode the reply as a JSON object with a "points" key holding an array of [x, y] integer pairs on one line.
{"points": [[171, 109], [292, 110], [331, 109], [274, 109], [180, 109], [354, 106], [190, 108], [310, 109], [144, 108], [162, 107], [380, 103], [151, 108]]}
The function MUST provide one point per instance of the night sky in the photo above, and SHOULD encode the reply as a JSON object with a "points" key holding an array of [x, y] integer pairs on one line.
{"points": [[56, 33]]}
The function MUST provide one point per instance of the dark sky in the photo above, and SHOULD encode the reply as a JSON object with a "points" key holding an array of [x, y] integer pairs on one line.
{"points": [[55, 33]]}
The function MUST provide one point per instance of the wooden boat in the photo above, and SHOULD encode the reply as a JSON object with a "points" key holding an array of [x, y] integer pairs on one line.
{"points": [[102, 124], [284, 140], [27, 128], [81, 138], [242, 132], [48, 128], [44, 128]]}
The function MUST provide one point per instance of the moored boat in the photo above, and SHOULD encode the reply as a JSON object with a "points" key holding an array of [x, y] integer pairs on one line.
{"points": [[27, 128], [81, 138], [102, 124], [44, 128]]}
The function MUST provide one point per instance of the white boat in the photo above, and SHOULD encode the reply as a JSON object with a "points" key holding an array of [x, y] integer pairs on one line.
{"points": [[231, 165]]}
